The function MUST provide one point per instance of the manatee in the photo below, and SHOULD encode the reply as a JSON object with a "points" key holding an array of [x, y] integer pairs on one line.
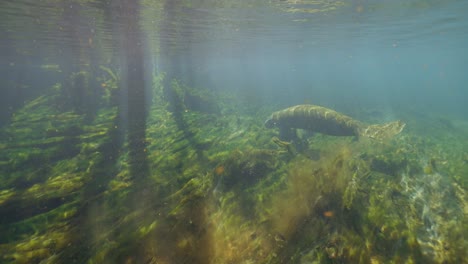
{"points": [[327, 121]]}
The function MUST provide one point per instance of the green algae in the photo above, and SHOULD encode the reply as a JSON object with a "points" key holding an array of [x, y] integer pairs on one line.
{"points": [[195, 99], [50, 156], [220, 190]]}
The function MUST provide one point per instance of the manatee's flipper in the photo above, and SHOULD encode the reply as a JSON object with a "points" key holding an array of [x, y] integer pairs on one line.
{"points": [[383, 131], [287, 134]]}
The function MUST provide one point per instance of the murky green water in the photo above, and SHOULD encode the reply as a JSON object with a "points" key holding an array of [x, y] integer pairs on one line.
{"points": [[161, 132]]}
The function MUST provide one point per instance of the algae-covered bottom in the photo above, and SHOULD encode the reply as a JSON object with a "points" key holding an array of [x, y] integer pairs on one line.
{"points": [[218, 187]]}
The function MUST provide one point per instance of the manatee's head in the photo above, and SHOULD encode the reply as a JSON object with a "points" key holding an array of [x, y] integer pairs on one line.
{"points": [[269, 123]]}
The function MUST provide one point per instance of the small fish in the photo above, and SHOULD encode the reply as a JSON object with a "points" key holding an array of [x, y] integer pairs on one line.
{"points": [[219, 170], [328, 214]]}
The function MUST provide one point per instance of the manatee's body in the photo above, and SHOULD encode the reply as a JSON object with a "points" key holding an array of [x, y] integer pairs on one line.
{"points": [[327, 121]]}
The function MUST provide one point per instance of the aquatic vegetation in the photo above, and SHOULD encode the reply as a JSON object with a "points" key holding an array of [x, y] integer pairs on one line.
{"points": [[109, 85], [311, 7], [246, 168], [50, 157], [222, 189], [191, 99], [51, 67]]}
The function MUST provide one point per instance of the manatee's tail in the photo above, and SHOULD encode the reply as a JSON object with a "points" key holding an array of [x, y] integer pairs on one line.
{"points": [[384, 131]]}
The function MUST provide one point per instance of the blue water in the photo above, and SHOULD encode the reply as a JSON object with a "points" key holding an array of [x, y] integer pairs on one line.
{"points": [[331, 53], [385, 53]]}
